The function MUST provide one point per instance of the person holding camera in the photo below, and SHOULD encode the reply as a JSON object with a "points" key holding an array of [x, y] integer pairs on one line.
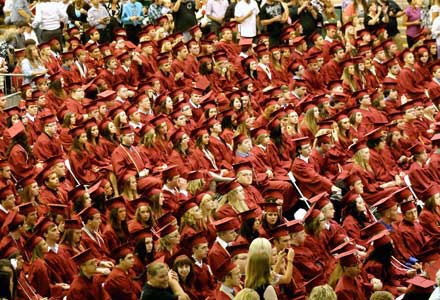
{"points": [[98, 17]]}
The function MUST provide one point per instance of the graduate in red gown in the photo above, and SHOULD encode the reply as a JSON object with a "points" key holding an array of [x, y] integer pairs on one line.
{"points": [[119, 283], [350, 284], [225, 234], [87, 285]]}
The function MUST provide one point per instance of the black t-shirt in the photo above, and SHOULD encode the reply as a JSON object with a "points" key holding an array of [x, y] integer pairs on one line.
{"points": [[269, 11], [185, 17], [153, 293], [392, 26]]}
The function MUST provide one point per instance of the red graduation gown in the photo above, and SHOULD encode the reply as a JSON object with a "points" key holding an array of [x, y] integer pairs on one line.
{"points": [[308, 179], [394, 277], [46, 146], [349, 288], [408, 81], [83, 288], [96, 244], [216, 255], [81, 164], [310, 266], [430, 222], [61, 264], [119, 285], [41, 278], [22, 165], [111, 238], [203, 280], [128, 159]]}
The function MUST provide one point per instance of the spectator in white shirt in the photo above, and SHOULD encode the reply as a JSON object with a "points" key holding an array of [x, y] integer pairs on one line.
{"points": [[48, 17], [246, 12]]}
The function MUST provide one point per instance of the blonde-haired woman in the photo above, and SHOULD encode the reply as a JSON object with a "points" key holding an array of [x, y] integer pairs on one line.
{"points": [[32, 65], [309, 125], [233, 202], [192, 218], [247, 294], [323, 292], [168, 243], [208, 206], [258, 269], [374, 190]]}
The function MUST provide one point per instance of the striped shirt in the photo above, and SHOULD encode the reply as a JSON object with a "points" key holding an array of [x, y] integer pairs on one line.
{"points": [[94, 15]]}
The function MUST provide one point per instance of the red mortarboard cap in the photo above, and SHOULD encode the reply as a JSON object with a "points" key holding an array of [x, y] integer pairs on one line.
{"points": [[225, 224], [58, 209], [77, 131], [142, 233], [302, 141], [13, 220], [185, 206], [121, 251], [389, 84], [358, 146], [88, 213], [348, 258], [26, 208], [402, 194], [404, 54], [294, 226], [5, 191], [83, 257], [72, 224], [13, 110], [391, 62], [269, 206], [170, 172], [345, 26], [311, 214], [236, 248], [16, 129], [19, 53], [420, 283], [417, 148], [116, 202], [242, 166], [375, 134], [380, 239], [43, 224], [321, 200], [126, 130], [373, 229], [406, 206], [275, 194], [48, 119], [197, 239], [165, 220], [67, 55], [167, 229], [224, 269], [385, 203], [26, 181], [279, 231], [32, 242], [76, 192], [248, 214], [91, 31]]}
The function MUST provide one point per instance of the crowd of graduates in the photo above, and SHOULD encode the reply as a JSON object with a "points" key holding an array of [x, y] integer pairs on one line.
{"points": [[162, 169]]}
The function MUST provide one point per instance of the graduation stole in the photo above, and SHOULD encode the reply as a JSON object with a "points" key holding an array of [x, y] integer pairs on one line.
{"points": [[131, 158]]}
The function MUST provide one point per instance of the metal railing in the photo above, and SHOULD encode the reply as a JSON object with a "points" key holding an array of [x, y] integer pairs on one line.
{"points": [[9, 86]]}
